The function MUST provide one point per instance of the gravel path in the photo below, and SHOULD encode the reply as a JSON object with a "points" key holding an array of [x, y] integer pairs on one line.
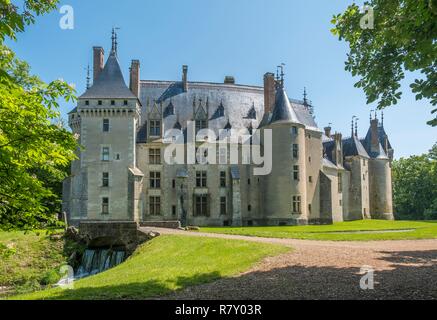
{"points": [[403, 269]]}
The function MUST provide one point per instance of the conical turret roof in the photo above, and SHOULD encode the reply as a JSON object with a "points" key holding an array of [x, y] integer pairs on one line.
{"points": [[282, 111], [110, 82]]}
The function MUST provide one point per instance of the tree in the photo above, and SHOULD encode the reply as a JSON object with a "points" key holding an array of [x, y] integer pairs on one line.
{"points": [[35, 148], [415, 186], [388, 39]]}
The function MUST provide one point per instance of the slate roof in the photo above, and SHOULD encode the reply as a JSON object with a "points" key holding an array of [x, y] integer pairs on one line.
{"points": [[382, 135], [353, 147], [328, 147], [327, 163], [235, 173], [367, 142], [282, 111], [234, 101], [110, 83]]}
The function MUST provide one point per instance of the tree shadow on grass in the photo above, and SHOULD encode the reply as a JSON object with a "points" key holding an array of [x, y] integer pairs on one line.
{"points": [[408, 275], [132, 291]]}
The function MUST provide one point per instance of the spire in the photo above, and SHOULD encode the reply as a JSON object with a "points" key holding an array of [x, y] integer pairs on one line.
{"points": [[371, 115], [280, 76], [382, 118], [114, 40], [283, 111], [356, 127], [352, 125], [110, 83], [305, 100]]}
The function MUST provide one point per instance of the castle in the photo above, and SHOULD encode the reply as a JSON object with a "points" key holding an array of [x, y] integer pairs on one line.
{"points": [[120, 174]]}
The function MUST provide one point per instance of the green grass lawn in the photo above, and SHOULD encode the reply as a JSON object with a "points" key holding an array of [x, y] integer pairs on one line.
{"points": [[165, 264], [343, 231], [28, 261]]}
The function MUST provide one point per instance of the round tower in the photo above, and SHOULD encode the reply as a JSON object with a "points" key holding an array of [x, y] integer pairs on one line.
{"points": [[380, 180], [285, 188]]}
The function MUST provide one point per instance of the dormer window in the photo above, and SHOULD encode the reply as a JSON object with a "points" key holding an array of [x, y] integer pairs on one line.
{"points": [[155, 128], [100, 102]]}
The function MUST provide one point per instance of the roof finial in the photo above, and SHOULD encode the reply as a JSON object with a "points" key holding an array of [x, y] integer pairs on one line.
{"points": [[356, 126], [88, 78], [371, 115], [382, 118], [114, 40], [352, 125], [280, 76], [305, 100]]}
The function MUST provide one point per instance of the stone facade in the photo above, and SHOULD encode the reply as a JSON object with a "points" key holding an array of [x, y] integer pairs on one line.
{"points": [[121, 174]]}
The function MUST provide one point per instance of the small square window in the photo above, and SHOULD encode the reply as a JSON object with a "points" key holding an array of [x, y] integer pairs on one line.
{"points": [[105, 205], [223, 206], [201, 179], [296, 173], [223, 179], [112, 102], [105, 125], [173, 210], [100, 102], [105, 154], [249, 208], [155, 180], [155, 206], [105, 179], [296, 204], [310, 179], [87, 102], [125, 102]]}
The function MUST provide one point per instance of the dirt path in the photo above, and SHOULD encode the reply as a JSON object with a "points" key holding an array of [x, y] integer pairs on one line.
{"points": [[404, 269]]}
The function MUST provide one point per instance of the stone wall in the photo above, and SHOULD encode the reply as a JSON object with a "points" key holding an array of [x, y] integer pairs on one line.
{"points": [[162, 224], [113, 233]]}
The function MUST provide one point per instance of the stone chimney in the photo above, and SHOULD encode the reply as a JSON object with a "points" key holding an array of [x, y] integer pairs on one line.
{"points": [[374, 136], [269, 92], [134, 85], [338, 155], [185, 77], [229, 80], [328, 131], [99, 61]]}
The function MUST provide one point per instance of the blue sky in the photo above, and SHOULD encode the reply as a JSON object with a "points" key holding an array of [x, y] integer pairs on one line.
{"points": [[243, 38]]}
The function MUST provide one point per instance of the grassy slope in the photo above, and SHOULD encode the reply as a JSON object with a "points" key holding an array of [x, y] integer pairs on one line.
{"points": [[165, 264], [26, 259], [422, 230]]}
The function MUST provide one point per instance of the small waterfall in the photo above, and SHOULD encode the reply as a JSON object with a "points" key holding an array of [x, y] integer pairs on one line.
{"points": [[98, 260]]}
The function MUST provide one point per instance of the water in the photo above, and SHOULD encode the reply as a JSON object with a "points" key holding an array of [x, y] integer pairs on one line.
{"points": [[98, 260]]}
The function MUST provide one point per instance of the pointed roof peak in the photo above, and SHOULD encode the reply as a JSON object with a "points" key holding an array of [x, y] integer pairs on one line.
{"points": [[110, 83], [282, 111]]}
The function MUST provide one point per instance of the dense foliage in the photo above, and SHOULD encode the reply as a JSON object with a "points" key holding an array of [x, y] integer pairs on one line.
{"points": [[402, 38], [35, 147], [415, 186]]}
